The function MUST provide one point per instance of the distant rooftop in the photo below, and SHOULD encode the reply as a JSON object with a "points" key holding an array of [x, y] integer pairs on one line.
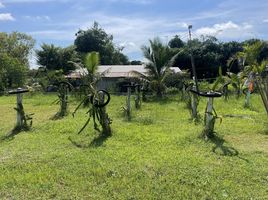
{"points": [[125, 70], [115, 71]]}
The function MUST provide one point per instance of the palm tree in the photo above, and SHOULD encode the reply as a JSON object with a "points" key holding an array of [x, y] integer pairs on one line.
{"points": [[159, 58]]}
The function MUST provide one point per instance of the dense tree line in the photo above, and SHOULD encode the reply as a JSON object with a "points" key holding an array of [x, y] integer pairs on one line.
{"points": [[210, 54]]}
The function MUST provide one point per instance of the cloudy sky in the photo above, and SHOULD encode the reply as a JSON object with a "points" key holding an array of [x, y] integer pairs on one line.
{"points": [[133, 22]]}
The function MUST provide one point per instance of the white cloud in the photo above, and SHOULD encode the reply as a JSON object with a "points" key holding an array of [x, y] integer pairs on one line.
{"points": [[6, 17], [182, 24], [38, 18], [265, 21], [226, 30], [2, 5]]}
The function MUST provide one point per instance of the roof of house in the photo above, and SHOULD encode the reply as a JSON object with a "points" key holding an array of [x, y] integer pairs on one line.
{"points": [[115, 71], [125, 70]]}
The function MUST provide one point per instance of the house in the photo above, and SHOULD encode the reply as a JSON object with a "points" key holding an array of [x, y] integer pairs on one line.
{"points": [[113, 76]]}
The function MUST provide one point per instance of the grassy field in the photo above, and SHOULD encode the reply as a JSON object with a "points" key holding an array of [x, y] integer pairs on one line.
{"points": [[157, 155]]}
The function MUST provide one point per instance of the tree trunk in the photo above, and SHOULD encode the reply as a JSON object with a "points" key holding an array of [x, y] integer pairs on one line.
{"points": [[20, 112]]}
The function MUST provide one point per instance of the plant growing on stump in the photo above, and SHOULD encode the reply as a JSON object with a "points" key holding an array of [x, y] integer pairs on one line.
{"points": [[98, 98], [209, 120], [63, 91], [22, 118]]}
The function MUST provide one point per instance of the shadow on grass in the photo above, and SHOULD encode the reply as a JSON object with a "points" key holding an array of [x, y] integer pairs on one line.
{"points": [[221, 149], [96, 142], [10, 135], [58, 116]]}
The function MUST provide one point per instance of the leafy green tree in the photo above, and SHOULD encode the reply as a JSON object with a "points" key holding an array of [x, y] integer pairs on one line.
{"points": [[176, 42], [96, 39], [16, 45], [14, 51], [48, 57], [56, 58], [135, 62]]}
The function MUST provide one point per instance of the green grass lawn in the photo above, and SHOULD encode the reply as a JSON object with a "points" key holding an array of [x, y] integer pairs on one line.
{"points": [[157, 155]]}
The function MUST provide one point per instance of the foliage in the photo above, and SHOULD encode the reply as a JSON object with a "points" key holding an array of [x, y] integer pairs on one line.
{"points": [[159, 60], [14, 51], [57, 58], [176, 42], [16, 45], [12, 72], [94, 98], [48, 79], [249, 60], [135, 62], [96, 39]]}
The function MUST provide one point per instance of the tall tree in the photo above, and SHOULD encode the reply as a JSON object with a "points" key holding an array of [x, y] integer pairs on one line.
{"points": [[176, 42], [15, 49], [159, 60], [96, 39], [56, 58]]}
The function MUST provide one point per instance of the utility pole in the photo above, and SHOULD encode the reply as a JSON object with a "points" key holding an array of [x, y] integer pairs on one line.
{"points": [[192, 59]]}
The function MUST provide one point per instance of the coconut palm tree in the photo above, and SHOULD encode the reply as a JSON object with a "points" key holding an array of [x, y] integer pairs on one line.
{"points": [[159, 59]]}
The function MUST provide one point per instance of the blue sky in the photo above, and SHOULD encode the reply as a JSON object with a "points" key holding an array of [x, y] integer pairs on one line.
{"points": [[133, 22]]}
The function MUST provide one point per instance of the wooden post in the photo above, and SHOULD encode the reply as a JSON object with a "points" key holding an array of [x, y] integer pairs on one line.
{"points": [[138, 97], [247, 102], [19, 123], [128, 103], [194, 105], [209, 118]]}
